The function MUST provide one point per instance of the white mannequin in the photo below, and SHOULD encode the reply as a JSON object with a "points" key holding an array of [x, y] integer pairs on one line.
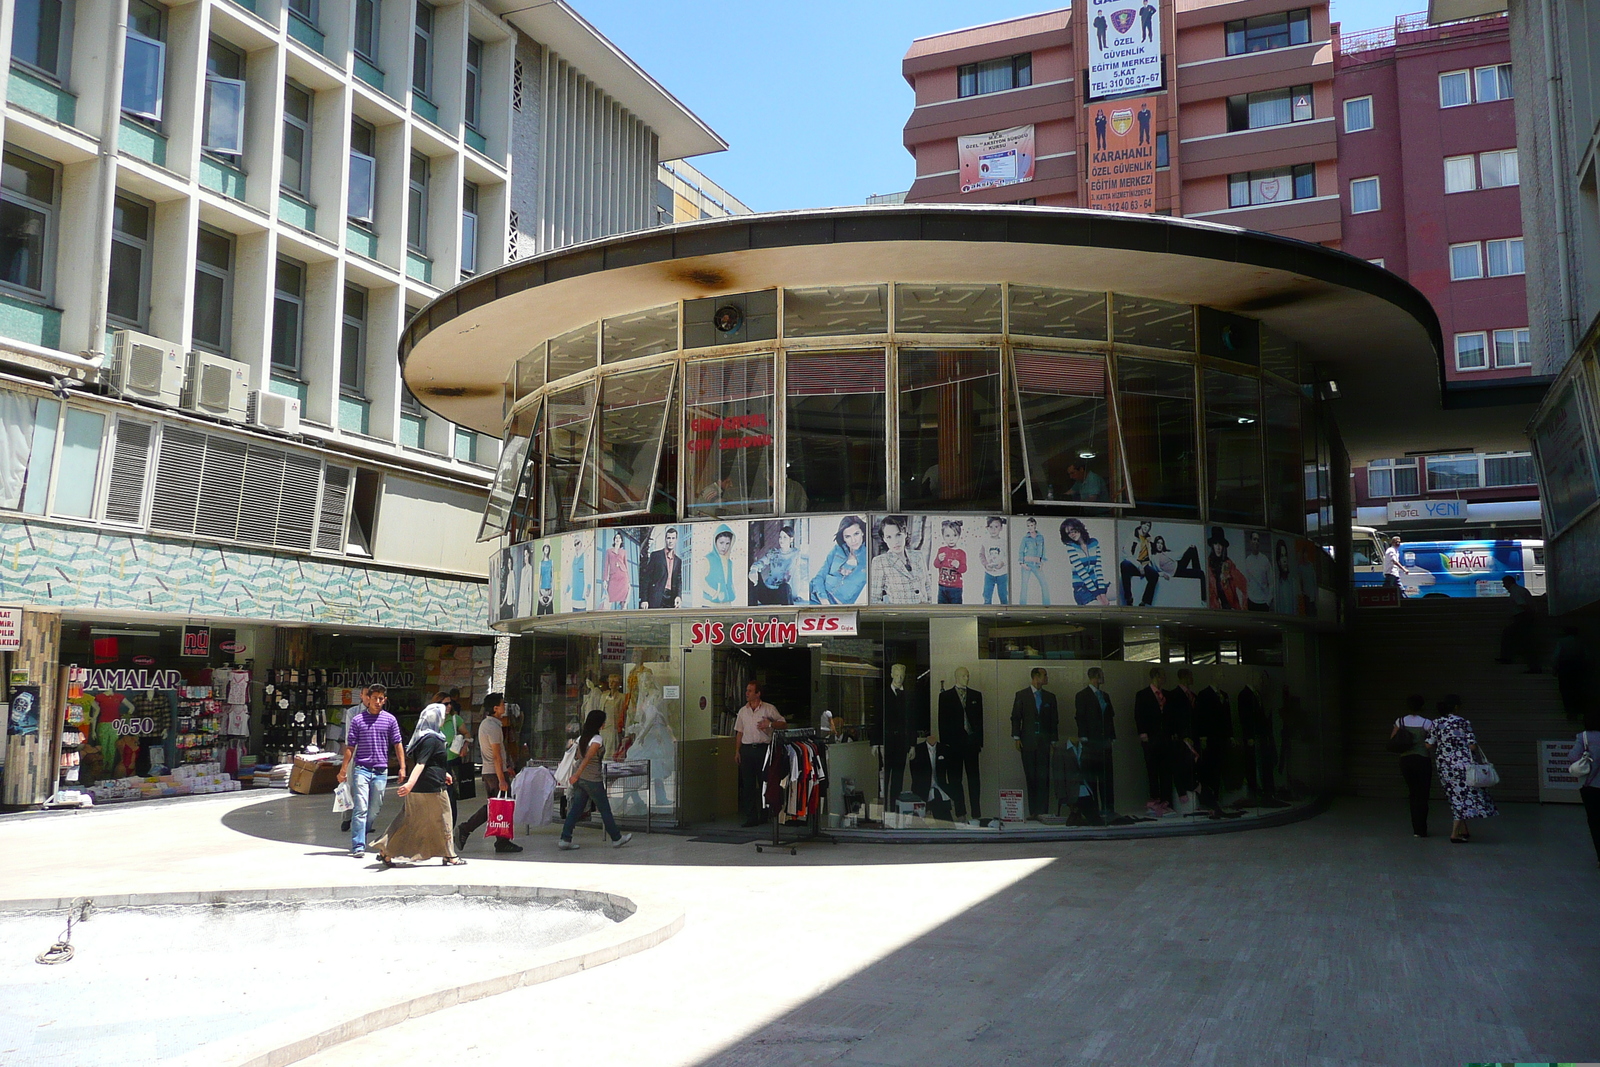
{"points": [[652, 736]]}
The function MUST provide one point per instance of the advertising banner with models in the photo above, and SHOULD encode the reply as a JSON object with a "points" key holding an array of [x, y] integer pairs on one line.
{"points": [[1124, 47]]}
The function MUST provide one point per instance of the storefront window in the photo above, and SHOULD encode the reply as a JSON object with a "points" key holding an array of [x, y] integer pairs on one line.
{"points": [[1279, 355], [728, 437], [835, 310], [1285, 510], [1233, 447], [644, 333], [1153, 324], [1066, 428], [947, 308], [573, 352], [625, 446], [567, 419], [1156, 402], [1063, 313], [507, 475], [836, 419], [950, 428]]}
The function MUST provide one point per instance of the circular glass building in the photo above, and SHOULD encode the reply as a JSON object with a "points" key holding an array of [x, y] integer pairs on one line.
{"points": [[1035, 514]]}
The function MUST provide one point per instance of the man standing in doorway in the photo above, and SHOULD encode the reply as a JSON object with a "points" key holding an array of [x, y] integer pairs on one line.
{"points": [[495, 769], [369, 738], [752, 729], [1035, 726]]}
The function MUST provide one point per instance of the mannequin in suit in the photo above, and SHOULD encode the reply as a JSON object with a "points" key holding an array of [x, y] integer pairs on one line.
{"points": [[961, 733], [931, 766], [1097, 728], [1149, 713], [1035, 726], [903, 720], [1213, 732]]}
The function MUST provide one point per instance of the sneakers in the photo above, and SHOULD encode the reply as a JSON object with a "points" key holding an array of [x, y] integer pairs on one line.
{"points": [[564, 845], [358, 853], [502, 845], [623, 840], [461, 838]]}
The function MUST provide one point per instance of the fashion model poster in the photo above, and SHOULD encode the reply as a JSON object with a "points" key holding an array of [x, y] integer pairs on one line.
{"points": [[525, 572], [836, 548], [664, 570], [1227, 588], [779, 571], [970, 559], [616, 576], [545, 567], [898, 572], [720, 563], [1160, 564], [503, 585], [577, 557], [1062, 562], [1260, 573]]}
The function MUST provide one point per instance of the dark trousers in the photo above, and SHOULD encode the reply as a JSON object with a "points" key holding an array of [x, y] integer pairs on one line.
{"points": [[455, 770], [895, 752], [1152, 577], [1208, 773], [1259, 759], [1519, 640], [1097, 772], [1591, 808], [751, 759], [1158, 768], [491, 788], [966, 761], [1036, 770], [1418, 773]]}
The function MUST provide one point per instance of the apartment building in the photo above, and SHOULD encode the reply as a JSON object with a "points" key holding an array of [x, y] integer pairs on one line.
{"points": [[683, 194], [214, 226], [1231, 119]]}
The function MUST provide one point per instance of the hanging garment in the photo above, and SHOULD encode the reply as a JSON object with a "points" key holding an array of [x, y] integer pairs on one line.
{"points": [[238, 687], [533, 790]]}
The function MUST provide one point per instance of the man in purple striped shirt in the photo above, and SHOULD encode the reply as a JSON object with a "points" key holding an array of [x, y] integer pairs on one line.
{"points": [[369, 735]]}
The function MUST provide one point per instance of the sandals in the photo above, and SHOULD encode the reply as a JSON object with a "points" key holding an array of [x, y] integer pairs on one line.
{"points": [[455, 861]]}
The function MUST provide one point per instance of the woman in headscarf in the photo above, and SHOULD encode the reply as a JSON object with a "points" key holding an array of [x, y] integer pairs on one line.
{"points": [[422, 830], [719, 568]]}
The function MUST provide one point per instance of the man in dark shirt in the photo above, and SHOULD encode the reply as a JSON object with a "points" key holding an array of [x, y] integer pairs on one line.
{"points": [[369, 736]]}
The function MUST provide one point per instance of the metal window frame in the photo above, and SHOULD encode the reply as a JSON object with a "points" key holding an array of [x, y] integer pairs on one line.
{"points": [[417, 235], [425, 37], [1377, 191], [1477, 247], [1465, 73], [359, 390], [304, 126], [65, 30], [140, 242], [161, 74], [298, 299], [1113, 427], [52, 219], [1344, 108], [226, 277], [472, 87], [367, 50], [589, 444]]}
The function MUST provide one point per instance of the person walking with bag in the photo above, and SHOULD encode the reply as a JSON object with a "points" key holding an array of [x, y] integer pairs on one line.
{"points": [[1589, 777], [588, 785], [496, 772], [1453, 746], [371, 736], [1409, 739], [422, 830]]}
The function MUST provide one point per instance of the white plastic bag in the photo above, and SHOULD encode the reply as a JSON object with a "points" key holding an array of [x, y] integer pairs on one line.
{"points": [[568, 764], [342, 800]]}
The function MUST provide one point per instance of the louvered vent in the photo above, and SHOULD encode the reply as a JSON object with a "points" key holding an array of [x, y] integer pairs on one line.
{"points": [[335, 500], [177, 490], [297, 514], [216, 387], [144, 367], [129, 462], [218, 514], [263, 486]]}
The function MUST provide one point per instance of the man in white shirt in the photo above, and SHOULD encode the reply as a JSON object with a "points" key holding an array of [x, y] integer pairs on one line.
{"points": [[1392, 567], [1257, 568], [752, 731]]}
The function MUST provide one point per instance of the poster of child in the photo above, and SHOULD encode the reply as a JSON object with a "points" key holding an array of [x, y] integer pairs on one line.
{"points": [[1158, 564], [720, 570], [898, 573], [836, 548], [970, 559], [779, 571], [1032, 556], [994, 553]]}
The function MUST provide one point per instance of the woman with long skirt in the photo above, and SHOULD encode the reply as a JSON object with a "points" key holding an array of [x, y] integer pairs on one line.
{"points": [[422, 830]]}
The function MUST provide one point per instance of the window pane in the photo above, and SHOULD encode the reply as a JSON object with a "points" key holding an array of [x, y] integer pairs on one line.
{"points": [[1488, 84], [1499, 259], [1470, 352], [829, 311], [17, 435], [728, 410], [1364, 195], [350, 358], [22, 243], [837, 433], [1452, 472], [1454, 89], [1464, 262], [645, 333], [286, 334], [567, 417], [1233, 447], [469, 242], [124, 298], [1153, 323], [525, 524], [1405, 479], [1458, 174], [1358, 114], [1380, 481], [947, 309], [366, 40], [1058, 313], [508, 473], [620, 473], [37, 488], [1066, 428], [1158, 433], [363, 138], [142, 72], [213, 249], [573, 352], [950, 428], [1305, 181], [1284, 457], [1270, 108], [1508, 470], [36, 34], [80, 463], [209, 297], [362, 173], [224, 117], [294, 155], [29, 177]]}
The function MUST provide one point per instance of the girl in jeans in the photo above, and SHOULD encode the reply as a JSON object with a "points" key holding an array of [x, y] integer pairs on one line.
{"points": [[588, 787]]}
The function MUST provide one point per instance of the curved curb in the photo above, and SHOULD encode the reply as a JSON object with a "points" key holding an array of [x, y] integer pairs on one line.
{"points": [[637, 927]]}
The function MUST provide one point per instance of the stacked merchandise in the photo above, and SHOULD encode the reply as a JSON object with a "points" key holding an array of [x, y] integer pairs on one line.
{"points": [[195, 778], [199, 723], [295, 716], [274, 777], [231, 687]]}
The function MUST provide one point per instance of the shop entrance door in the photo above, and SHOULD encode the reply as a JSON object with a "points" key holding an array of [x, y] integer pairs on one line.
{"points": [[785, 677]]}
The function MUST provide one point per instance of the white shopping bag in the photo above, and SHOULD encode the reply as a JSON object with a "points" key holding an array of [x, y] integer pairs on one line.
{"points": [[341, 798]]}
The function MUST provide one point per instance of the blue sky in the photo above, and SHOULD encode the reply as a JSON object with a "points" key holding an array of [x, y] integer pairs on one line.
{"points": [[809, 95]]}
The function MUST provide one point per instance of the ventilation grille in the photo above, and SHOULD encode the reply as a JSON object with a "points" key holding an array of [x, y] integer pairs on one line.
{"points": [[144, 367], [129, 462], [335, 497], [214, 487], [511, 235], [183, 455], [516, 85], [216, 387]]}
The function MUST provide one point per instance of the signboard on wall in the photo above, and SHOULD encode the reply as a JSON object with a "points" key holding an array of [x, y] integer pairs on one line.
{"points": [[1124, 47], [196, 642], [1427, 510], [993, 160], [1557, 783], [10, 629], [1122, 156]]}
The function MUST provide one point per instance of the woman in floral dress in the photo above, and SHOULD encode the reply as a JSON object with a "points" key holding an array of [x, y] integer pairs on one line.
{"points": [[1453, 742]]}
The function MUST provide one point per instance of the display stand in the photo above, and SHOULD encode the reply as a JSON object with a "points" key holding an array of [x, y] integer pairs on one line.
{"points": [[813, 829]]}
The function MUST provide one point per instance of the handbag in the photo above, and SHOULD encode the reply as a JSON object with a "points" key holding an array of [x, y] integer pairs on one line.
{"points": [[466, 782], [1402, 742], [501, 811], [1583, 766], [568, 764], [1482, 775]]}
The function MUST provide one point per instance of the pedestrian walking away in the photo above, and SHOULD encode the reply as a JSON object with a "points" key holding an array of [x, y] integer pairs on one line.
{"points": [[589, 787], [495, 770], [1453, 746], [1410, 739], [423, 829], [1589, 784], [370, 737]]}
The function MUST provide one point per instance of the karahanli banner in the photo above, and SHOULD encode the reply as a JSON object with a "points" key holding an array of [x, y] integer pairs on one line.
{"points": [[1124, 47], [991, 160], [1122, 155]]}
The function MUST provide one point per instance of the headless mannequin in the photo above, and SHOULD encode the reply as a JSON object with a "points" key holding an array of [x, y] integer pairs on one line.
{"points": [[961, 731]]}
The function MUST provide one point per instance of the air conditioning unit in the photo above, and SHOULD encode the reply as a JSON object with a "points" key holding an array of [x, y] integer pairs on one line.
{"points": [[217, 387], [269, 411], [147, 368]]}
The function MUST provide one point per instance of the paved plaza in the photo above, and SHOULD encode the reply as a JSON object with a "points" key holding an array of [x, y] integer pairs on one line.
{"points": [[1337, 940]]}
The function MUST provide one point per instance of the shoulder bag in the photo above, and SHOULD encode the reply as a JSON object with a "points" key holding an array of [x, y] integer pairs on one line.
{"points": [[1403, 741], [1583, 766], [568, 764], [1482, 775]]}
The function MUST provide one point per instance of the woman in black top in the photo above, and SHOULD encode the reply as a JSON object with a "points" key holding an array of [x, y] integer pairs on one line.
{"points": [[423, 829]]}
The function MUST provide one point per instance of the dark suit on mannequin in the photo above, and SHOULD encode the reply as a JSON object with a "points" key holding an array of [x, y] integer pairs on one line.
{"points": [[1255, 723], [1097, 728], [1035, 725], [1149, 713], [1178, 726], [961, 732], [904, 717], [930, 765], [1213, 730]]}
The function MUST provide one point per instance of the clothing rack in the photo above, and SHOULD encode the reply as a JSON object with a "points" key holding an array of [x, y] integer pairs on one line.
{"points": [[611, 772], [813, 830]]}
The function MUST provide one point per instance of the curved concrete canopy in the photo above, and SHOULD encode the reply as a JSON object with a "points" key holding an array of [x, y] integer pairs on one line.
{"points": [[1363, 327]]}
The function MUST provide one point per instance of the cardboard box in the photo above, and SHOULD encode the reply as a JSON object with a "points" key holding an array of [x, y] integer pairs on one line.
{"points": [[309, 776]]}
